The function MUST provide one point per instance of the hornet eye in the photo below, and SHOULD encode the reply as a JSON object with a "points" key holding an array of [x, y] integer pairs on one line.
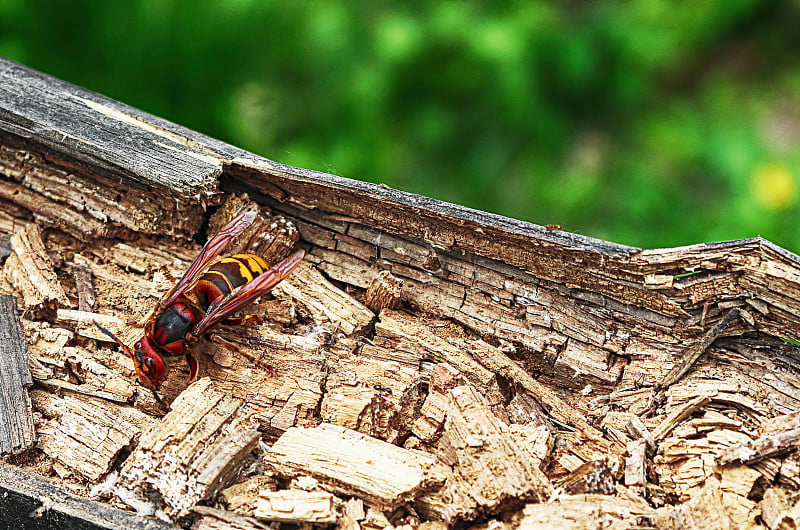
{"points": [[150, 367]]}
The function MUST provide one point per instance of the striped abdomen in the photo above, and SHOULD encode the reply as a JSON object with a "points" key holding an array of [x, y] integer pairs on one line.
{"points": [[225, 276]]}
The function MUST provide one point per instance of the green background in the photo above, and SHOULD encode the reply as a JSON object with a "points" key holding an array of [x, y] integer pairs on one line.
{"points": [[644, 122]]}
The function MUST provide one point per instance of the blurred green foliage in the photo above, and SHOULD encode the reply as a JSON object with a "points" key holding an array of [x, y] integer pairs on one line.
{"points": [[646, 122]]}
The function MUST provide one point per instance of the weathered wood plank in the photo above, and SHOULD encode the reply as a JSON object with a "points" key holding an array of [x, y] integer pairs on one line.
{"points": [[16, 418]]}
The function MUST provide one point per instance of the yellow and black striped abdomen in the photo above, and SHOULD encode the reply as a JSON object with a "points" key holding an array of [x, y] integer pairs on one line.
{"points": [[227, 275]]}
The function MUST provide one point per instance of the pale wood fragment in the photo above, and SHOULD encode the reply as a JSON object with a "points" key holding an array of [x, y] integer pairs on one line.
{"points": [[584, 512], [260, 497], [789, 474], [710, 507], [365, 394], [690, 357], [351, 463], [278, 376], [84, 321], [216, 519], [323, 301], [636, 463], [779, 510], [684, 465], [596, 476], [296, 506], [479, 362], [385, 291], [16, 420], [783, 435], [197, 448], [240, 497], [31, 271], [639, 431]]}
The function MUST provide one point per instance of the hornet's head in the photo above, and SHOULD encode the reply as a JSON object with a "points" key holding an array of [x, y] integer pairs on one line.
{"points": [[150, 366]]}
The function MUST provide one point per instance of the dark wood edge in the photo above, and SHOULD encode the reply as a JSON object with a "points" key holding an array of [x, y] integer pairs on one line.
{"points": [[30, 502]]}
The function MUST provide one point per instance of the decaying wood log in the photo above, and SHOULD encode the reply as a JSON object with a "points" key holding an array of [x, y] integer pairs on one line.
{"points": [[193, 452], [351, 463], [16, 419], [524, 361]]}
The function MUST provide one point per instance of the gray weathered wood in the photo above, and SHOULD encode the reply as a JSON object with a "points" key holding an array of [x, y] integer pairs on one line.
{"points": [[31, 503], [16, 419]]}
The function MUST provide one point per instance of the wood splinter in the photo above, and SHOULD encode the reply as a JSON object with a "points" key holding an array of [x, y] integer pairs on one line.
{"points": [[694, 353]]}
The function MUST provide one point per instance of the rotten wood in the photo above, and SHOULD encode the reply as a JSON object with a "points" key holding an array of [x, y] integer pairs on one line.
{"points": [[216, 519], [29, 501], [31, 271], [323, 301], [82, 273], [196, 449], [783, 435], [271, 237], [85, 434], [691, 356], [385, 291], [489, 466], [16, 419], [560, 341]]}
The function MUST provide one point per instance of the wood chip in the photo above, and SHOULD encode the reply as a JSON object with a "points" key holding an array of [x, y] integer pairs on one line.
{"points": [[384, 292], [583, 512], [636, 463], [216, 519], [82, 273], [83, 433], [677, 415], [351, 463]]}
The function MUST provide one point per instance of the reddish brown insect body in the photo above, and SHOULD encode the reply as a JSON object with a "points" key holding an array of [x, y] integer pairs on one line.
{"points": [[221, 290]]}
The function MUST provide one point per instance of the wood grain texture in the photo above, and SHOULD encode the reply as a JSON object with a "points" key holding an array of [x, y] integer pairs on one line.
{"points": [[351, 463], [197, 449], [16, 418]]}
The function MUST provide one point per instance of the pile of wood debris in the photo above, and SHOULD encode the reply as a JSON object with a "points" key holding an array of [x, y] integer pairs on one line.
{"points": [[347, 407]]}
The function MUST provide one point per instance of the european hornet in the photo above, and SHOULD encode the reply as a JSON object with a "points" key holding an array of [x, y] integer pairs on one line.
{"points": [[209, 293]]}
